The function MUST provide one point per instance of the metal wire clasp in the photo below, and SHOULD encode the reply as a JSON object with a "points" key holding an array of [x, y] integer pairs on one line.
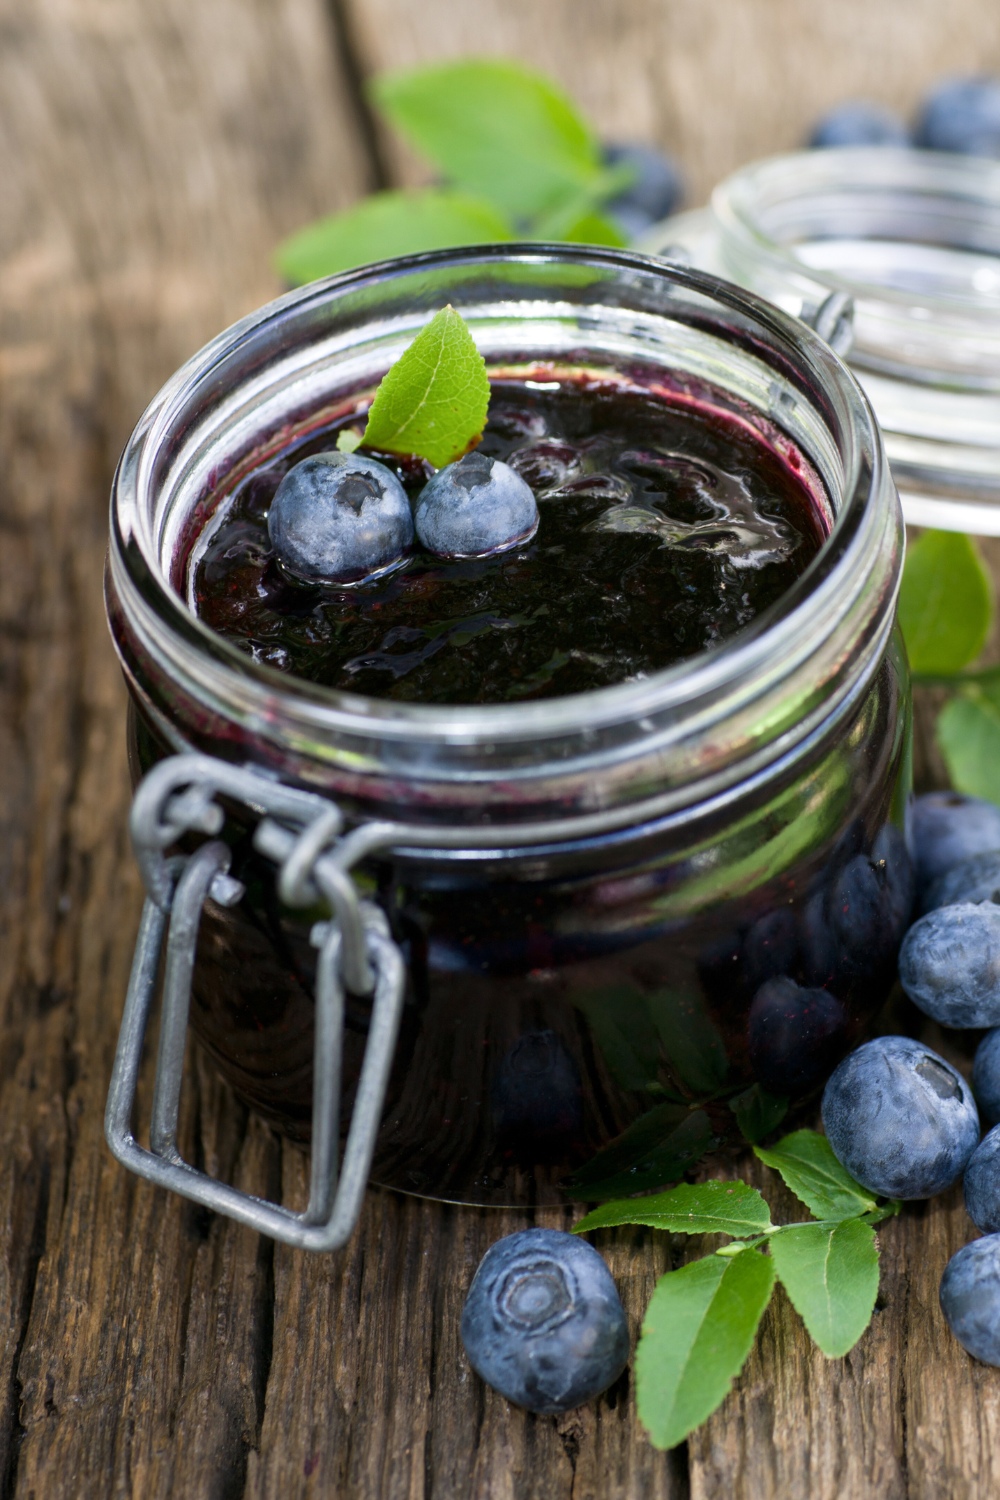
{"points": [[301, 832]]}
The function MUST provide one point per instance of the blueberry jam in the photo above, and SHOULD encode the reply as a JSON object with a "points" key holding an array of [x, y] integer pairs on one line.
{"points": [[667, 524]]}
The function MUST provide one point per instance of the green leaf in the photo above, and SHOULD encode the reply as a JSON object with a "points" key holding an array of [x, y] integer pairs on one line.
{"points": [[968, 731], [386, 224], [808, 1166], [696, 1335], [434, 399], [702, 1208], [758, 1112], [945, 602], [495, 129], [348, 440], [691, 1042], [831, 1276], [659, 1147], [619, 1018]]}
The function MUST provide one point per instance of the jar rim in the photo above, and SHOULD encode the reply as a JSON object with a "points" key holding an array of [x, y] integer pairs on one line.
{"points": [[769, 648]]}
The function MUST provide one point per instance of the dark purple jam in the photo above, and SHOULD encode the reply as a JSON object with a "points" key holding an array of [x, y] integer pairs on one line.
{"points": [[667, 524]]}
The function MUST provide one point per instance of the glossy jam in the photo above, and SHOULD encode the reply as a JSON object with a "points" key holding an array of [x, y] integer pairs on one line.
{"points": [[666, 526]]}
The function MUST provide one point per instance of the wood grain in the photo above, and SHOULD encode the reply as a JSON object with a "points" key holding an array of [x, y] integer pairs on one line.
{"points": [[154, 152]]}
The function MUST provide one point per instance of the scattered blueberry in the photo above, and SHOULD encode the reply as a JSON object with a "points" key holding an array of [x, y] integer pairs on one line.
{"points": [[962, 114], [542, 1323], [982, 1183], [771, 946], [947, 827], [899, 1118], [339, 517], [653, 194], [986, 1077], [859, 122], [474, 507], [970, 1298], [794, 1036], [976, 879], [949, 964]]}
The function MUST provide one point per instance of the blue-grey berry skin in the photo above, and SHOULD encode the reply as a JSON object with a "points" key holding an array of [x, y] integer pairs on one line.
{"points": [[970, 1298], [475, 507], [947, 827], [543, 1323], [986, 1077], [976, 879], [654, 192], [949, 964], [859, 122], [962, 114], [899, 1118], [981, 1183], [338, 518]]}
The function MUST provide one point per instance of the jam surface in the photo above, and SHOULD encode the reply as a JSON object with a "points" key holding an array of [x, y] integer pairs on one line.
{"points": [[666, 525]]}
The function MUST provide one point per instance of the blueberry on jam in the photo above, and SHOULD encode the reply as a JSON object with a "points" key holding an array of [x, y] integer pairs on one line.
{"points": [[665, 525]]}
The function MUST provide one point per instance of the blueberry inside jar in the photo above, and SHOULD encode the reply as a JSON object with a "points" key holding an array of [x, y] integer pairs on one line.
{"points": [[679, 703]]}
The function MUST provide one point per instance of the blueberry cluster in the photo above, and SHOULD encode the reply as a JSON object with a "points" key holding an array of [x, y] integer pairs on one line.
{"points": [[345, 518], [959, 114], [900, 1118]]}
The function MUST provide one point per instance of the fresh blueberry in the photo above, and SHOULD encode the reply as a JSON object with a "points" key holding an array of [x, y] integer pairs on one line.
{"points": [[855, 924], [339, 517], [859, 122], [474, 507], [970, 1298], [542, 1323], [949, 964], [986, 1077], [947, 827], [899, 1118], [654, 192], [771, 946], [976, 879], [794, 1035], [962, 114], [981, 1183]]}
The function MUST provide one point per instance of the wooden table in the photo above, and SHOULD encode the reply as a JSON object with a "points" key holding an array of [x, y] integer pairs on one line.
{"points": [[153, 152]]}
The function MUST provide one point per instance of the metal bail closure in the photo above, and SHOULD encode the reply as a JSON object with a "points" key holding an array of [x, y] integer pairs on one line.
{"points": [[301, 832]]}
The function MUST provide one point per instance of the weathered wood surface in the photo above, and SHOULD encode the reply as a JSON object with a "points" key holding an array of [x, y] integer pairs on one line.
{"points": [[154, 151]]}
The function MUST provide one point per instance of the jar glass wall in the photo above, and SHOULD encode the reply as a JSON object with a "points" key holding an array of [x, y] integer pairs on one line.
{"points": [[913, 237], [670, 935]]}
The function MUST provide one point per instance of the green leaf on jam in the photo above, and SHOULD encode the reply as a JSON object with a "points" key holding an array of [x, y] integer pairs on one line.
{"points": [[386, 224], [945, 603], [433, 401], [968, 731], [696, 1335], [498, 130]]}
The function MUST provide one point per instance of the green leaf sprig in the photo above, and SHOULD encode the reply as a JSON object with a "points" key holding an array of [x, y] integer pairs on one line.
{"points": [[433, 401], [702, 1319], [946, 610], [515, 158]]}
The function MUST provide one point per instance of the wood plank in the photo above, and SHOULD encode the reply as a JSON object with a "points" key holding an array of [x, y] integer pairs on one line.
{"points": [[153, 155], [716, 85]]}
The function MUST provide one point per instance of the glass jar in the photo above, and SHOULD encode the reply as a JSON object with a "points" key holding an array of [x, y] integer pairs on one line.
{"points": [[913, 237], [632, 919]]}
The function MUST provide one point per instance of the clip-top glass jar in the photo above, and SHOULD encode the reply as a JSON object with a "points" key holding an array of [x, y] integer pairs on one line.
{"points": [[592, 893], [913, 238]]}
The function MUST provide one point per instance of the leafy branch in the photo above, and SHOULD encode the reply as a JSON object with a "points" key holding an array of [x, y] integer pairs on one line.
{"points": [[514, 160], [702, 1319]]}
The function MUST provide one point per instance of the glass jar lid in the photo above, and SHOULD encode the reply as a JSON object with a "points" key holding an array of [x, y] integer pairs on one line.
{"points": [[913, 238]]}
